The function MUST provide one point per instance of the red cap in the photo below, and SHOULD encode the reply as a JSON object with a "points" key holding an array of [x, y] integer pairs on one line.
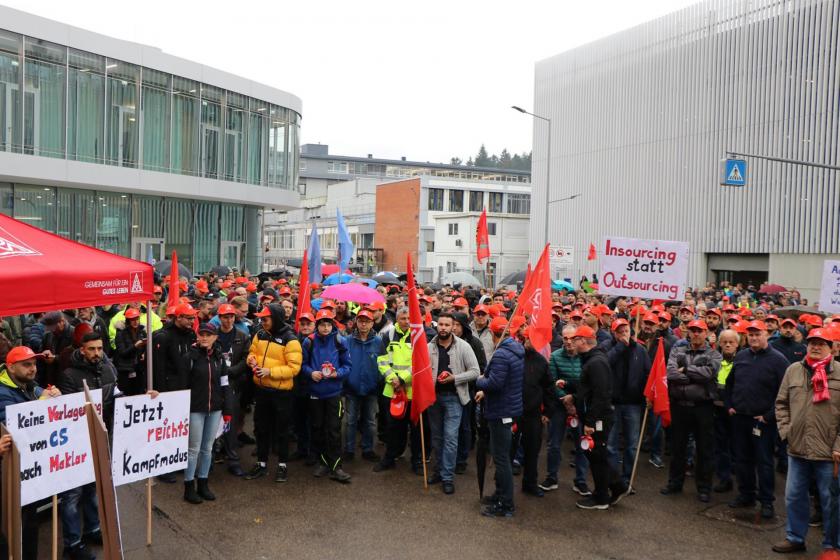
{"points": [[494, 310], [756, 325], [460, 302], [657, 308], [377, 306], [324, 314], [556, 304], [740, 327], [185, 309], [835, 318], [686, 308], [20, 354], [285, 291], [651, 318], [226, 284], [250, 287], [171, 310], [328, 304], [481, 308], [575, 315], [605, 310], [264, 312], [814, 320], [584, 331], [517, 322], [824, 334], [498, 324], [307, 316], [744, 312], [132, 313], [618, 323], [365, 313], [314, 286], [398, 403], [698, 324], [267, 296], [240, 280], [665, 315], [282, 281], [226, 309], [714, 310], [157, 289], [729, 307], [772, 318], [788, 320], [636, 309]]}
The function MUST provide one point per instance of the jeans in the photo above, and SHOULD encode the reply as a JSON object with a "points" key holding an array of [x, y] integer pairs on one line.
{"points": [[627, 420], [800, 474], [556, 436], [360, 410], [84, 498], [271, 423], [230, 440], [445, 420], [203, 428], [500, 442], [723, 444], [754, 454]]}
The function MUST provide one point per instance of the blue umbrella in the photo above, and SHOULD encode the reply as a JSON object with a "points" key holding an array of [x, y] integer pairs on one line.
{"points": [[561, 285], [371, 283], [316, 304], [332, 279]]}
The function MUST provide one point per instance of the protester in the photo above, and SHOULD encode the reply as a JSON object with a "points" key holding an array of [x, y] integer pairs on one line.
{"points": [[234, 345], [171, 347], [130, 354], [466, 432], [538, 403], [501, 385], [808, 416], [728, 346]]}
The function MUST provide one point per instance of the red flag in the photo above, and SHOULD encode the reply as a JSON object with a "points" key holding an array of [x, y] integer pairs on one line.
{"points": [[482, 239], [593, 254], [304, 293], [527, 274], [535, 302], [422, 383], [656, 389], [174, 282]]}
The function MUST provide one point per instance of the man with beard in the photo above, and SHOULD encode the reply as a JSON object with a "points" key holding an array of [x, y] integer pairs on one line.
{"points": [[461, 329], [786, 343]]}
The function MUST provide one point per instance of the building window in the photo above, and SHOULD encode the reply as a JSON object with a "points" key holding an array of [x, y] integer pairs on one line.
{"points": [[86, 114], [123, 137], [476, 201], [456, 200], [302, 165], [495, 202], [451, 266], [491, 228], [430, 246], [453, 229], [44, 99], [337, 167], [436, 199], [519, 203]]}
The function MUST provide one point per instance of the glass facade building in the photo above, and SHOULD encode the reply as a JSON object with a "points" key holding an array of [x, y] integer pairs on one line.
{"points": [[178, 163]]}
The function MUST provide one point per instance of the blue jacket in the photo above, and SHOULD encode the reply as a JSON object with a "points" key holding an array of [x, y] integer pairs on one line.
{"points": [[241, 326], [11, 394], [753, 383], [318, 350], [630, 368], [364, 374], [502, 381]]}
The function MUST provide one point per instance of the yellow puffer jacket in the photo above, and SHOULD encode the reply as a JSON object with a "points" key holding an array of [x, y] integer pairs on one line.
{"points": [[283, 360]]}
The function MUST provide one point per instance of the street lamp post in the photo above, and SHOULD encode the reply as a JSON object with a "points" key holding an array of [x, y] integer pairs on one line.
{"points": [[547, 164]]}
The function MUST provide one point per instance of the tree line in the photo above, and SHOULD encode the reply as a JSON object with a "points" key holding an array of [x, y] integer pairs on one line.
{"points": [[505, 160]]}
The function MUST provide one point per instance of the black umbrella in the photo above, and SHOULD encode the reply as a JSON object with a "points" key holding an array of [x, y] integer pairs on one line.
{"points": [[513, 278], [165, 267], [386, 278], [281, 272], [220, 270], [482, 443], [794, 311], [296, 262]]}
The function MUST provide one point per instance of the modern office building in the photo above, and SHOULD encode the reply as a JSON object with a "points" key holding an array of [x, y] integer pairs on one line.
{"points": [[124, 147], [641, 119]]}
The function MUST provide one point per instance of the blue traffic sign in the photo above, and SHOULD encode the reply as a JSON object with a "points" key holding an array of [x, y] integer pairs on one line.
{"points": [[734, 173]]}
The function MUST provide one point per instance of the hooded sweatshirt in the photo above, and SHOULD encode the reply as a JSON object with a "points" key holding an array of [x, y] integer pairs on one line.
{"points": [[279, 350]]}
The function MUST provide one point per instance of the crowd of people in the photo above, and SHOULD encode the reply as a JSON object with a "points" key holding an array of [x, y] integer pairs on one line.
{"points": [[751, 392]]}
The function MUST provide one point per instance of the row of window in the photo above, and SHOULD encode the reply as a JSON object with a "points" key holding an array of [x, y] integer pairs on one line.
{"points": [[491, 229], [517, 203], [86, 107], [384, 170]]}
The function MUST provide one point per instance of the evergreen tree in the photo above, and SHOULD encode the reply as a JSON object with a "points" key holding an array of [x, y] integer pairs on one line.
{"points": [[482, 159]]}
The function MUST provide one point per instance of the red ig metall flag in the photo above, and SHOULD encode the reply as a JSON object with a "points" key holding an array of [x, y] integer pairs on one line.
{"points": [[482, 239], [656, 389], [535, 302], [422, 383], [304, 293]]}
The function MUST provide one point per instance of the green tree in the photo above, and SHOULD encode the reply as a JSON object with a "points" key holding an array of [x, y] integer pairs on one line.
{"points": [[455, 161], [505, 159], [482, 159]]}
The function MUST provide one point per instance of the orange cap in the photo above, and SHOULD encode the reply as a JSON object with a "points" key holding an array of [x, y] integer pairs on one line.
{"points": [[264, 312], [618, 323], [584, 331], [132, 313], [20, 354], [226, 309], [185, 309]]}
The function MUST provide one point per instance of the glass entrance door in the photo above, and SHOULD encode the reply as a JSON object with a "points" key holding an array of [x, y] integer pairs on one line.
{"points": [[148, 249], [232, 254]]}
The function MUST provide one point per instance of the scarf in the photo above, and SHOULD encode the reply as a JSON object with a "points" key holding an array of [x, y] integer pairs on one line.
{"points": [[820, 379]]}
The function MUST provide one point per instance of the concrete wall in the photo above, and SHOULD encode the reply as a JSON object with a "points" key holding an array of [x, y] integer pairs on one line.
{"points": [[397, 221], [803, 272]]}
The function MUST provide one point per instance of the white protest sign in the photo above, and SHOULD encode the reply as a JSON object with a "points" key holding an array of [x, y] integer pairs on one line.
{"points": [[54, 444], [151, 436], [561, 255], [830, 288], [646, 268]]}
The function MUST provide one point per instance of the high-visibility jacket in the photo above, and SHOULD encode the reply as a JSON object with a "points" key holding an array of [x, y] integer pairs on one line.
{"points": [[396, 362]]}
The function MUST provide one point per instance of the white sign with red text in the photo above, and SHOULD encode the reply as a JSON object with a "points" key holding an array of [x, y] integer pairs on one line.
{"points": [[54, 443], [151, 436], [645, 268]]}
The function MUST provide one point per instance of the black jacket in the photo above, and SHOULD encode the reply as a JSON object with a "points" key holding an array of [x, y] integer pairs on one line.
{"points": [[127, 357], [475, 344], [208, 380], [171, 357], [101, 375], [753, 383], [790, 349], [697, 382], [593, 399], [235, 357], [630, 367], [537, 387]]}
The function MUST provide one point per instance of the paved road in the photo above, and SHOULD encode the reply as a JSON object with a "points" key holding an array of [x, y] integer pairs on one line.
{"points": [[389, 515]]}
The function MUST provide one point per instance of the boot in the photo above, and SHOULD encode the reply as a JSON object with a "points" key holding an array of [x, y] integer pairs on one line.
{"points": [[204, 490], [190, 494]]}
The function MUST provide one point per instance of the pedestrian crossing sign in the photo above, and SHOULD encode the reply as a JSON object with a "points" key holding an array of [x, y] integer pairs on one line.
{"points": [[734, 173]]}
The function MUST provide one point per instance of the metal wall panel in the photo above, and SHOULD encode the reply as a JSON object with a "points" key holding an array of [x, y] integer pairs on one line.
{"points": [[641, 119]]}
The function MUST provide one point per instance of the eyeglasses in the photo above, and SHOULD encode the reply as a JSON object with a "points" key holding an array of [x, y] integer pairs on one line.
{"points": [[568, 338]]}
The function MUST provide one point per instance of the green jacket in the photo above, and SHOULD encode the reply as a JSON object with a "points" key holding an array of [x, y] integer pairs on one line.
{"points": [[563, 366], [396, 362]]}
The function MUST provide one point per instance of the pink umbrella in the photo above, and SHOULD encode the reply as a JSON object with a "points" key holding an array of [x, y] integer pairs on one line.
{"points": [[358, 293]]}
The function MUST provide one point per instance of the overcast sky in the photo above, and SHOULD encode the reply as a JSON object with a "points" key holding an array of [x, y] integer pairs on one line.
{"points": [[427, 80]]}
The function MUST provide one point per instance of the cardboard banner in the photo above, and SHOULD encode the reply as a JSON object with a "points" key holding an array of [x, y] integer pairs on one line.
{"points": [[54, 444], [151, 436], [645, 268], [830, 287]]}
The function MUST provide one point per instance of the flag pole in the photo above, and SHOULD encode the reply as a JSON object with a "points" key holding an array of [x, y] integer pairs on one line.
{"points": [[149, 387], [639, 447], [54, 527], [423, 451]]}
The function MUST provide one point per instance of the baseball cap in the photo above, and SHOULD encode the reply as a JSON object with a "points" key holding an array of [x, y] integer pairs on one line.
{"points": [[686, 308], [824, 334], [575, 315], [517, 322], [324, 314], [698, 324], [20, 354], [285, 291], [226, 309], [307, 317], [729, 307], [714, 310], [365, 313], [460, 302], [328, 304], [618, 323], [651, 318], [756, 325], [132, 313], [814, 320], [665, 316], [739, 327], [208, 328], [185, 309], [264, 312], [744, 312], [398, 403], [584, 331], [157, 289], [498, 324], [377, 306], [772, 318], [481, 308]]}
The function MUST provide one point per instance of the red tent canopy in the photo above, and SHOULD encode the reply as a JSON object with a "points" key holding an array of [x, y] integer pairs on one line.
{"points": [[40, 271]]}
